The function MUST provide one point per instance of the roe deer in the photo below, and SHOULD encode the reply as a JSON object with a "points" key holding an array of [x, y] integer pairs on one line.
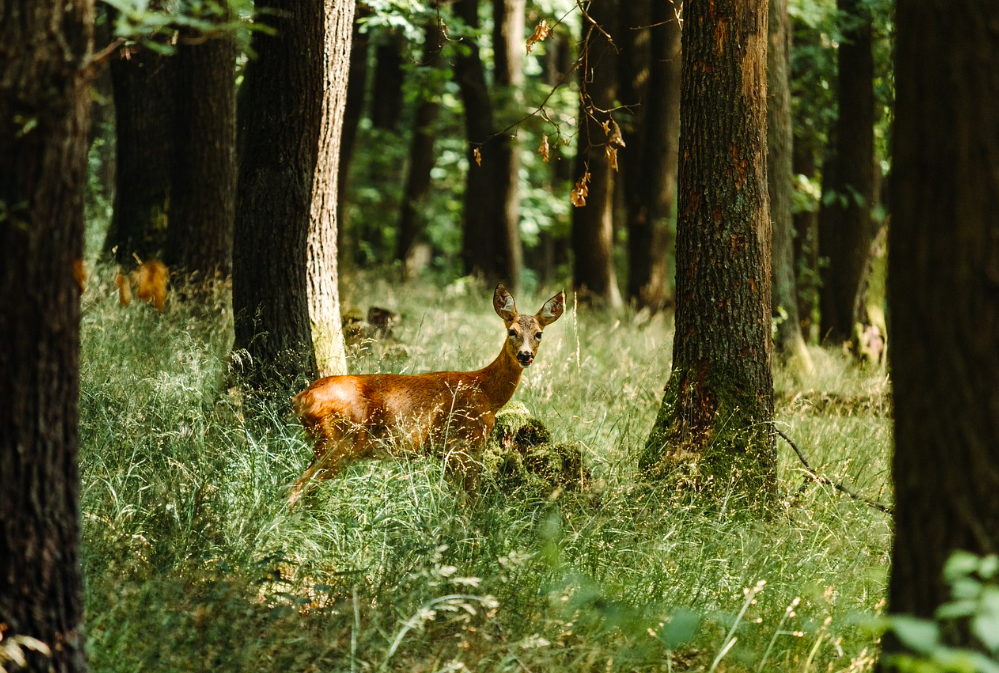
{"points": [[347, 416]]}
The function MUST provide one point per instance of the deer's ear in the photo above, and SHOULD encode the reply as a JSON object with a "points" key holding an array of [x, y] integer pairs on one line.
{"points": [[552, 309], [503, 302]]}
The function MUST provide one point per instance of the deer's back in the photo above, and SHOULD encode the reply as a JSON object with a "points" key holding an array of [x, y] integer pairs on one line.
{"points": [[384, 403]]}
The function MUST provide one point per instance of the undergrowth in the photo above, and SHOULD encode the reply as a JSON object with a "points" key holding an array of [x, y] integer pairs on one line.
{"points": [[193, 562]]}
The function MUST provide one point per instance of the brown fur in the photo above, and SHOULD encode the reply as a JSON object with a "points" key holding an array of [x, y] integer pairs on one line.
{"points": [[150, 280], [347, 416]]}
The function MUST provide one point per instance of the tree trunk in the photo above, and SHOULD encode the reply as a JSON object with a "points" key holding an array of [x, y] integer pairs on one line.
{"points": [[508, 76], [593, 224], [845, 235], [788, 342], [356, 88], [943, 279], [203, 198], [487, 233], [280, 119], [102, 129], [717, 410], [45, 82], [386, 92], [324, 289], [650, 164], [144, 112], [806, 239], [412, 221]]}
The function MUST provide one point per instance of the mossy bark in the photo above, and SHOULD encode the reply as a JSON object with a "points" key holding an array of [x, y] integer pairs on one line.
{"points": [[717, 410]]}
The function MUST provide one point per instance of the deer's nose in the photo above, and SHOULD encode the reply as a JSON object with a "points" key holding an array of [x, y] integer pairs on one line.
{"points": [[525, 357]]}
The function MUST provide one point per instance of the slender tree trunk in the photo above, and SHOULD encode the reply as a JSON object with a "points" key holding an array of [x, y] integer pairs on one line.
{"points": [[412, 223], [203, 199], [943, 279], [593, 224], [386, 92], [280, 120], [717, 410], [324, 289], [102, 110], [486, 233], [356, 89], [144, 112], [45, 82], [845, 235], [652, 183], [788, 342], [806, 239], [508, 76]]}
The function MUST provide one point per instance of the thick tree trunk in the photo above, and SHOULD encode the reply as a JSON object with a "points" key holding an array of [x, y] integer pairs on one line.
{"points": [[45, 90], [386, 92], [943, 279], [718, 406], [144, 112], [324, 289], [650, 164], [412, 223], [845, 235], [280, 119], [788, 342], [356, 89], [593, 224], [203, 198], [488, 232]]}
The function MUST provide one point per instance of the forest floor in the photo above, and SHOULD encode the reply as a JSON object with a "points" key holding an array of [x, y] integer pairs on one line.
{"points": [[193, 561]]}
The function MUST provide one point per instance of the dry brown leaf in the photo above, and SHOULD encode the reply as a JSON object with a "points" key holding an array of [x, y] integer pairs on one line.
{"points": [[543, 150], [613, 132], [478, 156], [611, 154], [580, 191], [541, 31]]}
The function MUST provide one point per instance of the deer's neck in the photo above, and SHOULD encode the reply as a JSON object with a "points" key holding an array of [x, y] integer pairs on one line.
{"points": [[499, 379]]}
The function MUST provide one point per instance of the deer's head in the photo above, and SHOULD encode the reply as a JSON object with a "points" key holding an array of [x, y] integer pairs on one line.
{"points": [[524, 331]]}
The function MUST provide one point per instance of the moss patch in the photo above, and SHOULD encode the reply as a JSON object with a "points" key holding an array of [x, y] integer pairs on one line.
{"points": [[520, 455]]}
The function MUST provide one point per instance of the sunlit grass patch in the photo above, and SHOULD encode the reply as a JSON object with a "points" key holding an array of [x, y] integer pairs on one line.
{"points": [[194, 562]]}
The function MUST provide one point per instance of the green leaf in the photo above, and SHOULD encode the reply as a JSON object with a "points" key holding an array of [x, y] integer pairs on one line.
{"points": [[957, 609], [986, 623], [679, 629], [919, 635], [988, 567], [960, 565]]}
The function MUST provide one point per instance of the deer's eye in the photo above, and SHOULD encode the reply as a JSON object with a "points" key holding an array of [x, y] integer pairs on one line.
{"points": [[538, 336], [512, 334]]}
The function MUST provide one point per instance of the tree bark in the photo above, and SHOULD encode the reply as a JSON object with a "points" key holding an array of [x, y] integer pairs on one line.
{"points": [[324, 289], [806, 239], [144, 112], [488, 233], [650, 162], [943, 280], [45, 81], [717, 411], [412, 221], [593, 224], [846, 232], [508, 82], [280, 118], [203, 198], [788, 342]]}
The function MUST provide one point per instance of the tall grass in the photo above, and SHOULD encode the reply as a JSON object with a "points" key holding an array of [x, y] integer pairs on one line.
{"points": [[193, 562]]}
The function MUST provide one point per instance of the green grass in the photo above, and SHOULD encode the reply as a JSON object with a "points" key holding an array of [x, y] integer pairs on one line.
{"points": [[193, 562]]}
